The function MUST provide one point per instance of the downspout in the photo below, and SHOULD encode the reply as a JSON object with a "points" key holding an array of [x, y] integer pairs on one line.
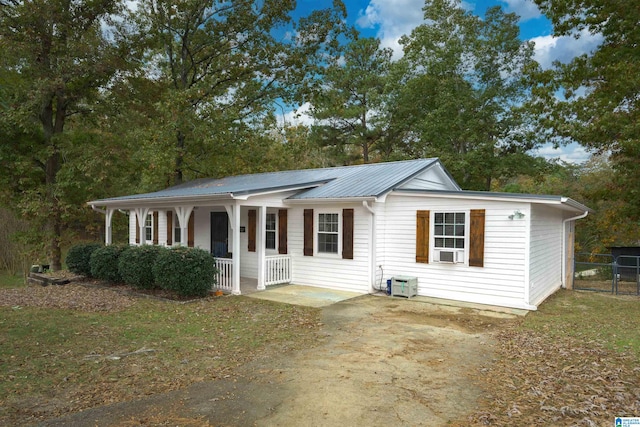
{"points": [[372, 246], [564, 244]]}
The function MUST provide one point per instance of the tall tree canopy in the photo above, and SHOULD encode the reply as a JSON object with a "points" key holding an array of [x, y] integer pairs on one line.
{"points": [[461, 90], [56, 57], [349, 108], [599, 105], [223, 64]]}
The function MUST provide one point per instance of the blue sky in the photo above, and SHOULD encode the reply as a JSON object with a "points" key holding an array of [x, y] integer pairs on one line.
{"points": [[390, 19]]}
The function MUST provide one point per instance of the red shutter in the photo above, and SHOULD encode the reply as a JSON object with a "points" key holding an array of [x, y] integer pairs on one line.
{"points": [[251, 232], [347, 233], [169, 228], [422, 236], [155, 227], [191, 232], [308, 232], [137, 230], [282, 231], [476, 238]]}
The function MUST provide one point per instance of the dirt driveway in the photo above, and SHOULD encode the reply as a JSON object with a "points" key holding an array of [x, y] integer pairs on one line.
{"points": [[382, 362]]}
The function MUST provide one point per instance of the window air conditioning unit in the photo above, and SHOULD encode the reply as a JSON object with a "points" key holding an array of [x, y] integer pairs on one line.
{"points": [[450, 256]]}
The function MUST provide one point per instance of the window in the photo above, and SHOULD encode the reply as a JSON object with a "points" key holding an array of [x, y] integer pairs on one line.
{"points": [[448, 230], [271, 231], [450, 237], [328, 233], [177, 235], [148, 228]]}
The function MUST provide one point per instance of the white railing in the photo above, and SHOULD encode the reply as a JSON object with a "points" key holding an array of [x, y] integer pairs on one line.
{"points": [[277, 269], [224, 267]]}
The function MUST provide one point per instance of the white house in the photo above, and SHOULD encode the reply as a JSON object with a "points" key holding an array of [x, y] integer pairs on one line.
{"points": [[354, 227]]}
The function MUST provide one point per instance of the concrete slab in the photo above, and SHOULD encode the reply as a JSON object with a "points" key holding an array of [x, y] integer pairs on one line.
{"points": [[304, 295]]}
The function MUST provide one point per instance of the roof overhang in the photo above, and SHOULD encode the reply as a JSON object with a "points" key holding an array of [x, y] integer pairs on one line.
{"points": [[564, 203]]}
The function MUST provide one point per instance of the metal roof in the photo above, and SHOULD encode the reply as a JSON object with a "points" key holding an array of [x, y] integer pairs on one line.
{"points": [[369, 180]]}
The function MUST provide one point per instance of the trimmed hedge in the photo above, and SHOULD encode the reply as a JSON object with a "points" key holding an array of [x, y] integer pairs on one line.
{"points": [[136, 266], [79, 257], [104, 263], [189, 272]]}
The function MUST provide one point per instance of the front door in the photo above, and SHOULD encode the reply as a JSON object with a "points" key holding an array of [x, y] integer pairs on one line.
{"points": [[219, 234]]}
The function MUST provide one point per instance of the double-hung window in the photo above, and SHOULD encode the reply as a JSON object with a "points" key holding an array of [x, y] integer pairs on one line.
{"points": [[448, 230], [328, 229], [271, 231], [450, 237], [148, 228]]}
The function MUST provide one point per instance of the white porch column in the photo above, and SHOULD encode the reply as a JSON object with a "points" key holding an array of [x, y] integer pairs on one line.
{"points": [[107, 226], [234, 219], [183, 213], [260, 243], [141, 214]]}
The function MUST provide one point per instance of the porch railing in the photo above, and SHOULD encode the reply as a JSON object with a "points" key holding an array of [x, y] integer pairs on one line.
{"points": [[223, 276], [277, 269]]}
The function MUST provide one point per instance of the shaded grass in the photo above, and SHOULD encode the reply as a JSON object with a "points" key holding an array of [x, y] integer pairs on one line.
{"points": [[58, 361], [573, 362], [607, 320], [8, 280]]}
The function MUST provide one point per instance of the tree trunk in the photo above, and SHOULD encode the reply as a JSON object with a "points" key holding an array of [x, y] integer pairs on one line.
{"points": [[178, 173], [53, 124]]}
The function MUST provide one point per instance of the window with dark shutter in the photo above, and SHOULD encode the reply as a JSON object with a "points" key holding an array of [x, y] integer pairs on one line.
{"points": [[422, 237], [169, 228], [282, 231], [476, 238], [190, 232], [308, 232], [251, 230], [347, 233]]}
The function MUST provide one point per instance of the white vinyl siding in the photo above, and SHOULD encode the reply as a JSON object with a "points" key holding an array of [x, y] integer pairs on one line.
{"points": [[502, 279], [545, 253], [330, 270]]}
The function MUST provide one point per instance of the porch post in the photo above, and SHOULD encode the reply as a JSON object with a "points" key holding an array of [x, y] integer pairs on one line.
{"points": [[235, 229], [183, 213], [107, 226], [142, 213], [260, 243]]}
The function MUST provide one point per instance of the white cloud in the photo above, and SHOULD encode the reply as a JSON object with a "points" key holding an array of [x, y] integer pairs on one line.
{"points": [[572, 153], [564, 48], [299, 116], [393, 20], [526, 9]]}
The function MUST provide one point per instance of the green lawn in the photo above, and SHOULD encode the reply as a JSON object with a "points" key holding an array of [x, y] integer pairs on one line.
{"points": [[8, 280], [82, 359], [573, 362]]}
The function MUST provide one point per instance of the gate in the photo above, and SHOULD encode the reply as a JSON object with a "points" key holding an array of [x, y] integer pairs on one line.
{"points": [[604, 273]]}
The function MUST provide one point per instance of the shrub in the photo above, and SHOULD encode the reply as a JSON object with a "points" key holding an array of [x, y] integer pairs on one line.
{"points": [[136, 266], [104, 263], [79, 257], [189, 272]]}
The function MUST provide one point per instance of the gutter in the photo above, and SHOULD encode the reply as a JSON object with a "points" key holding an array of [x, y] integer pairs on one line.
{"points": [[564, 244]]}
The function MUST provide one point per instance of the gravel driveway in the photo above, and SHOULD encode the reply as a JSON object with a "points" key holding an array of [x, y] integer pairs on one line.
{"points": [[383, 361]]}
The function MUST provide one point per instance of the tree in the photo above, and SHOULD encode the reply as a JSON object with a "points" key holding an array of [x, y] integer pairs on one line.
{"points": [[349, 109], [600, 91], [56, 56], [223, 64], [461, 93]]}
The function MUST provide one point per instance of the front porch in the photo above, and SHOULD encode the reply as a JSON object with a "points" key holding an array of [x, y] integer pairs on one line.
{"points": [[277, 272]]}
